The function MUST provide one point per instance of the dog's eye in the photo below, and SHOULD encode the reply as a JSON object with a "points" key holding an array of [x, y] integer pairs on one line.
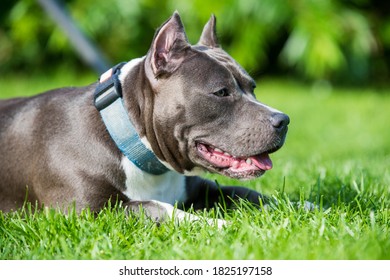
{"points": [[222, 92]]}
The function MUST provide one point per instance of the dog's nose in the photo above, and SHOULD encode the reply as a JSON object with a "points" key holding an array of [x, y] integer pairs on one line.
{"points": [[280, 121]]}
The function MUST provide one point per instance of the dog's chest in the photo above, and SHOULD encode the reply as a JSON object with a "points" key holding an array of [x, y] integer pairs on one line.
{"points": [[168, 187]]}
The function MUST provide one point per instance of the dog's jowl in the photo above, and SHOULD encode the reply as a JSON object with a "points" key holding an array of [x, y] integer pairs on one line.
{"points": [[142, 133]]}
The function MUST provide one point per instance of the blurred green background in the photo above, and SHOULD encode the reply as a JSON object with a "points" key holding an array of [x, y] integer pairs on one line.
{"points": [[336, 41]]}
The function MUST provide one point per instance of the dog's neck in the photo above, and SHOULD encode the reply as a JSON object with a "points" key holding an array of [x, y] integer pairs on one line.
{"points": [[108, 100]]}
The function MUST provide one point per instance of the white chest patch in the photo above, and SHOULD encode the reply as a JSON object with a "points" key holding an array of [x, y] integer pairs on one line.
{"points": [[168, 187]]}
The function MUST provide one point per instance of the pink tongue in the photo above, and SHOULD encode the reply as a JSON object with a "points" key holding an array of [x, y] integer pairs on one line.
{"points": [[223, 160], [262, 161]]}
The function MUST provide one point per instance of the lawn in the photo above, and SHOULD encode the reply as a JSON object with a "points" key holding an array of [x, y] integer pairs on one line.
{"points": [[337, 155]]}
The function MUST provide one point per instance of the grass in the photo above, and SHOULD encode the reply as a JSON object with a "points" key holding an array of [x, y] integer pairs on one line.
{"points": [[337, 155]]}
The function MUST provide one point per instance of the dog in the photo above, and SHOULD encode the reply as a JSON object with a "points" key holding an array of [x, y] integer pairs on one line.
{"points": [[142, 133]]}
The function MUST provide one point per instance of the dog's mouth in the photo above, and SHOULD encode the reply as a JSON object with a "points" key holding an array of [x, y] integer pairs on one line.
{"points": [[236, 167]]}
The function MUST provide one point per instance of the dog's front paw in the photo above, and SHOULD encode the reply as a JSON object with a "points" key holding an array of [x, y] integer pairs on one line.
{"points": [[307, 205], [219, 223]]}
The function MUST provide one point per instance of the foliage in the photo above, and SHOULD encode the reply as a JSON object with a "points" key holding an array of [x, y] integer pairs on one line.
{"points": [[335, 40], [337, 155]]}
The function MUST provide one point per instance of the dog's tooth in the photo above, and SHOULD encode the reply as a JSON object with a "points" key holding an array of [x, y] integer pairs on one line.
{"points": [[248, 161], [218, 150], [227, 154], [236, 164]]}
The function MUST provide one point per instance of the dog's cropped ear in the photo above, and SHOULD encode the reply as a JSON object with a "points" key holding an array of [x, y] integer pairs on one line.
{"points": [[209, 34], [169, 46]]}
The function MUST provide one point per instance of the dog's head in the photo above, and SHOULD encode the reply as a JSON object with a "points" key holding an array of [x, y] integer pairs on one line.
{"points": [[204, 110]]}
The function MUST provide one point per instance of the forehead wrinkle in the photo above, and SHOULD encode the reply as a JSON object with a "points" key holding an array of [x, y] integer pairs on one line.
{"points": [[227, 61]]}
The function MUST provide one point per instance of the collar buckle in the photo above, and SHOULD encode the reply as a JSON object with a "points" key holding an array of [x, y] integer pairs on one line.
{"points": [[109, 88]]}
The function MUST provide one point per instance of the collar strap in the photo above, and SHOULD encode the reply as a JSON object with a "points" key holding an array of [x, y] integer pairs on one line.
{"points": [[108, 100]]}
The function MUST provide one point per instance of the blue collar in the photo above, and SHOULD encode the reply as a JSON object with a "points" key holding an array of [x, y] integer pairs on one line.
{"points": [[108, 100]]}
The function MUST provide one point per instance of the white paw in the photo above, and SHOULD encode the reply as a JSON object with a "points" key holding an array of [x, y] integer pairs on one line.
{"points": [[306, 205], [220, 223]]}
